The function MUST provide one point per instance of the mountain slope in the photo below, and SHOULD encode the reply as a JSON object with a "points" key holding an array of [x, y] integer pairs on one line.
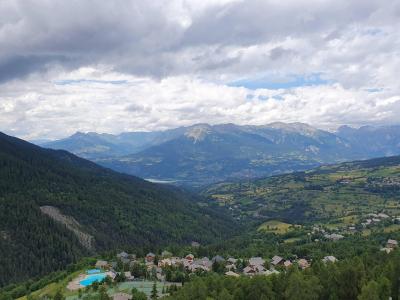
{"points": [[94, 145], [202, 154], [206, 154], [376, 141], [326, 193], [86, 202]]}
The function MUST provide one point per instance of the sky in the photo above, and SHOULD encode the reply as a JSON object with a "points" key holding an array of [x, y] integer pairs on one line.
{"points": [[124, 65]]}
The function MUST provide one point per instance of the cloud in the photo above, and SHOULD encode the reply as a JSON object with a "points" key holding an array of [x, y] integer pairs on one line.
{"points": [[123, 65], [51, 110]]}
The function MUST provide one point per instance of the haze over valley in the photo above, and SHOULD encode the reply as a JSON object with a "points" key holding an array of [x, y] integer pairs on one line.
{"points": [[202, 154]]}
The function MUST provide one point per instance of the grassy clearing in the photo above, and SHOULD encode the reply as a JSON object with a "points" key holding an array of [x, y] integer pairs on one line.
{"points": [[292, 240], [277, 227], [392, 228], [52, 288]]}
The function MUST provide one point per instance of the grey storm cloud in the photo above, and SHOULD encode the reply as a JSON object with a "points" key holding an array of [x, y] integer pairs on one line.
{"points": [[155, 38], [125, 65]]}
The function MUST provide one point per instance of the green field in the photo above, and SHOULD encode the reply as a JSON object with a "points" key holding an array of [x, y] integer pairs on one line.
{"points": [[277, 227], [333, 194], [126, 287]]}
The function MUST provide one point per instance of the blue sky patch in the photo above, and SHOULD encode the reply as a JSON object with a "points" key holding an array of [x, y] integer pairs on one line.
{"points": [[292, 82], [77, 81]]}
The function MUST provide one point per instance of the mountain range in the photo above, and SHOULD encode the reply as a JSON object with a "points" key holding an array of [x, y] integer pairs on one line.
{"points": [[203, 154], [56, 207]]}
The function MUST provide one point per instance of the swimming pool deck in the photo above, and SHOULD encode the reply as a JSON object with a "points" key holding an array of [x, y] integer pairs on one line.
{"points": [[75, 285]]}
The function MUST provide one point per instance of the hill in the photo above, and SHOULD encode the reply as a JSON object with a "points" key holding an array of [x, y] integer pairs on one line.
{"points": [[327, 193], [56, 207], [202, 154]]}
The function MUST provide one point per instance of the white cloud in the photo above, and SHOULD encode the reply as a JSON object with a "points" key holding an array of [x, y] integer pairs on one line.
{"points": [[121, 65], [55, 110]]}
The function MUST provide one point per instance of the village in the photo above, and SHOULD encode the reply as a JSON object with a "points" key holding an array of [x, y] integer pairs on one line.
{"points": [[165, 272]]}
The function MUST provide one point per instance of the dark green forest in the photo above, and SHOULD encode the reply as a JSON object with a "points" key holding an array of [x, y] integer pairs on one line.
{"points": [[367, 277], [116, 210]]}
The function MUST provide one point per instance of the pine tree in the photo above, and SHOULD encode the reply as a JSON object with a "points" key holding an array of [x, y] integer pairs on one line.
{"points": [[154, 293], [370, 291], [59, 296]]}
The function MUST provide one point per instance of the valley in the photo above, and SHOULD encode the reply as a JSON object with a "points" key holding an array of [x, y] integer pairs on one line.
{"points": [[203, 154], [298, 226]]}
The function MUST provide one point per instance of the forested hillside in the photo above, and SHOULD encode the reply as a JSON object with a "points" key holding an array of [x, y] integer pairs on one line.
{"points": [[326, 194], [87, 203]]}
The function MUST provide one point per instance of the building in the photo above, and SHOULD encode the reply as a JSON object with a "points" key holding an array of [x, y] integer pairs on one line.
{"points": [[391, 244], [329, 259], [123, 255], [249, 271], [383, 216], [189, 257], [277, 260], [303, 263], [232, 260], [218, 259], [129, 276], [333, 236], [232, 274], [150, 257], [256, 261], [287, 264], [195, 244], [101, 264]]}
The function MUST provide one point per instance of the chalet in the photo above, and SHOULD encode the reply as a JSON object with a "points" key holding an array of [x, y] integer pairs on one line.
{"points": [[101, 264], [287, 264], [129, 276], [232, 260], [125, 261], [383, 216], [256, 261], [123, 255], [159, 274], [195, 244], [111, 274], [249, 271], [333, 236], [391, 244], [165, 262], [206, 262], [329, 259], [387, 250], [260, 269], [277, 260], [150, 257], [230, 267], [232, 274], [122, 296], [218, 259], [189, 257], [270, 272], [303, 263], [197, 266]]}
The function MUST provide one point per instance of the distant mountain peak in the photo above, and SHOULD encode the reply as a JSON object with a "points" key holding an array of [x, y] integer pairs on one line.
{"points": [[198, 132], [295, 127]]}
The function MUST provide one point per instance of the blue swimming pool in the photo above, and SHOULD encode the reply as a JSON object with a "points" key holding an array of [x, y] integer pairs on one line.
{"points": [[92, 278], [93, 271]]}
